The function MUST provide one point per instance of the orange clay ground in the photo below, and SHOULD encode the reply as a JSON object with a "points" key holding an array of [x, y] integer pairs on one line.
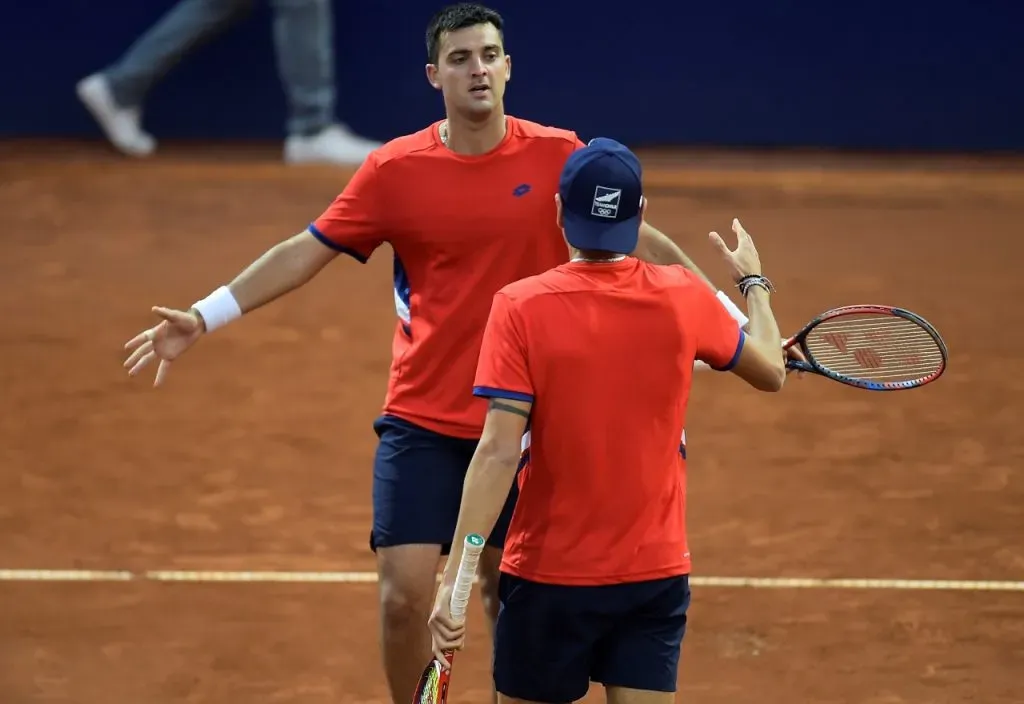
{"points": [[256, 456]]}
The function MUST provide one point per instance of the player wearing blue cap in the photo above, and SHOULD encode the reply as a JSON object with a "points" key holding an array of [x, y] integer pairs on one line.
{"points": [[587, 370]]}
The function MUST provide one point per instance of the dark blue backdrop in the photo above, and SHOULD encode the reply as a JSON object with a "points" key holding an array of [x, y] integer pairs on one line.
{"points": [[915, 75]]}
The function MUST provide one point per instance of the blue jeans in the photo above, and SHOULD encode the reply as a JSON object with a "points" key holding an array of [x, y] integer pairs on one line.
{"points": [[303, 43]]}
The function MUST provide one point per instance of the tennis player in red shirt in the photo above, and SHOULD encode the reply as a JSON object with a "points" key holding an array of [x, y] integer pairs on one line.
{"points": [[586, 369], [465, 205]]}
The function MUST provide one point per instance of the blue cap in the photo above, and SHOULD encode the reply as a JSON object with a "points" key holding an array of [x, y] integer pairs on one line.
{"points": [[601, 193]]}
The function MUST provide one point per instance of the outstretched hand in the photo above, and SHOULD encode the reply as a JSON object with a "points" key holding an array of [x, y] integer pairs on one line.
{"points": [[176, 332], [742, 261], [745, 261]]}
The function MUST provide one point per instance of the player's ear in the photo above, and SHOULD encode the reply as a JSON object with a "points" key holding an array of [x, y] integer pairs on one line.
{"points": [[643, 209], [508, 68], [431, 70], [558, 209]]}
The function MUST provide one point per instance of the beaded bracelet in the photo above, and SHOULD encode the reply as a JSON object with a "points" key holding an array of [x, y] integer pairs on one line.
{"points": [[750, 280]]}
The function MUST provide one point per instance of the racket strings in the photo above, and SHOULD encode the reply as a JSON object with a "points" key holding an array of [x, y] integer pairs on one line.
{"points": [[428, 691], [875, 347]]}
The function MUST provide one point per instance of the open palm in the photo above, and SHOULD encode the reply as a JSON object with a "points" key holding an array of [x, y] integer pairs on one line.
{"points": [[167, 341], [742, 261]]}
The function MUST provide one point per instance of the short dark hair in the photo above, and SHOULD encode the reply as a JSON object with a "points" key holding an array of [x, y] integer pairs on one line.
{"points": [[455, 17]]}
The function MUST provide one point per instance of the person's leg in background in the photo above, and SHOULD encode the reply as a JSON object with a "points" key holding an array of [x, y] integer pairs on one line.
{"points": [[407, 576], [417, 490], [304, 43], [115, 95]]}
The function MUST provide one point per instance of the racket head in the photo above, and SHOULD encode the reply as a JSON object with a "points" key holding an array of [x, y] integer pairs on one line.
{"points": [[872, 347], [433, 685]]}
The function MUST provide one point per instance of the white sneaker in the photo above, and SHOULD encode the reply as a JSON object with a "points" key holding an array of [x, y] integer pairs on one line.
{"points": [[121, 125], [336, 144]]}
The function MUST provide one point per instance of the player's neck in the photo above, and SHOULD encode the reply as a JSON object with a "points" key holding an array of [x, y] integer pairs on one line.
{"points": [[595, 256], [472, 137]]}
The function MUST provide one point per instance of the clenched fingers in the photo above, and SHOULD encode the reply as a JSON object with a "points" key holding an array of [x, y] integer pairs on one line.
{"points": [[443, 647], [448, 633], [442, 657]]}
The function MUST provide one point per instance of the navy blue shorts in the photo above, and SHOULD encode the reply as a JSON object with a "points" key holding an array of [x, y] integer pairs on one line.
{"points": [[551, 641], [417, 486]]}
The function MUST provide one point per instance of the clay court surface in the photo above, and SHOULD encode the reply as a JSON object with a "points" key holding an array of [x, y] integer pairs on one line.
{"points": [[256, 455]]}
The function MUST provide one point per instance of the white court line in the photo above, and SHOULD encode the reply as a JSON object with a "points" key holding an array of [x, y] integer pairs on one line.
{"points": [[65, 576], [371, 577]]}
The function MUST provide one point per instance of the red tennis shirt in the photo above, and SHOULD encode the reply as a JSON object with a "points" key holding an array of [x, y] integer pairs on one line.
{"points": [[461, 227], [605, 352]]}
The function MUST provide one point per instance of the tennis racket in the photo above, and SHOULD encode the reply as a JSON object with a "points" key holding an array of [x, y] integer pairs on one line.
{"points": [[878, 348], [433, 685]]}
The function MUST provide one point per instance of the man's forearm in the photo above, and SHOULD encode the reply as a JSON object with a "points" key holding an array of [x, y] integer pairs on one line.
{"points": [[488, 482], [283, 268], [763, 326], [657, 248]]}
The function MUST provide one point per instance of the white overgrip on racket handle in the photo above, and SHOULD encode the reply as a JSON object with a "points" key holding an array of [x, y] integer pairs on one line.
{"points": [[473, 546]]}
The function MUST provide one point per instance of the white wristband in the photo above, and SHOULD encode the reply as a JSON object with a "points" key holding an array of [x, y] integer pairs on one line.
{"points": [[218, 309], [736, 314], [733, 309]]}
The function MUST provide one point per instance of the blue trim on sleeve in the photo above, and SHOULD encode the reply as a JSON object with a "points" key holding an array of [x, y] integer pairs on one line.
{"points": [[313, 230], [491, 392], [735, 356]]}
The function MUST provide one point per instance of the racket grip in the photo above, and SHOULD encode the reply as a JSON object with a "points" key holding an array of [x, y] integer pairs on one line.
{"points": [[797, 365], [472, 548]]}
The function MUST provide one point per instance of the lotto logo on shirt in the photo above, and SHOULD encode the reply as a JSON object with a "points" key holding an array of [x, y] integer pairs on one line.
{"points": [[606, 202]]}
